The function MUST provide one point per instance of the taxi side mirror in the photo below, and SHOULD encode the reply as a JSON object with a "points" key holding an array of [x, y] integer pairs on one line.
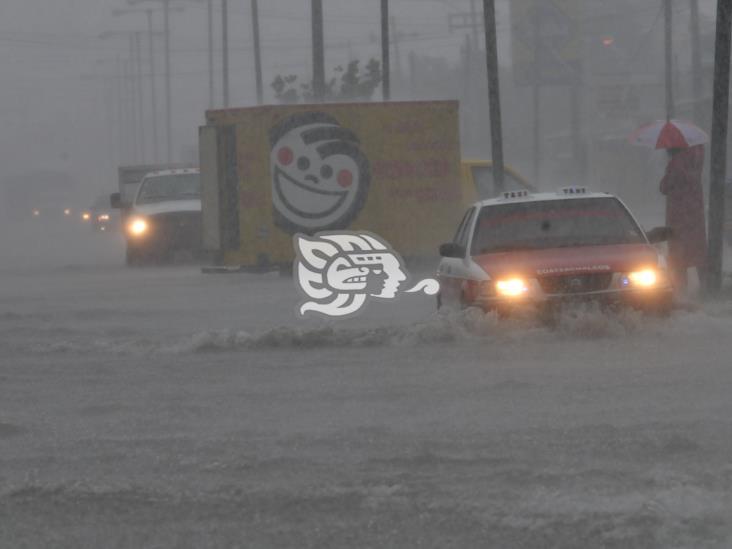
{"points": [[660, 234], [452, 250], [115, 201]]}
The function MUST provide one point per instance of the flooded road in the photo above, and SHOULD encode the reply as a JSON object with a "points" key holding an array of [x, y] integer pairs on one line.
{"points": [[165, 407]]}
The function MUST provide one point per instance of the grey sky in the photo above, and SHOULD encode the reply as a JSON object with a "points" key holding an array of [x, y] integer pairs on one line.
{"points": [[52, 109]]}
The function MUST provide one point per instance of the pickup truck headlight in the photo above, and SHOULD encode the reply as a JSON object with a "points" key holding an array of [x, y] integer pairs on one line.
{"points": [[511, 287], [647, 278], [137, 226]]}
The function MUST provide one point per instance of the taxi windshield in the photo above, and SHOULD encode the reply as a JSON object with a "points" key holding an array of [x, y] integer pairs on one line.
{"points": [[554, 224], [181, 186]]}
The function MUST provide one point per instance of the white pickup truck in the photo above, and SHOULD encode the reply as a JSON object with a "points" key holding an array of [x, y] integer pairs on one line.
{"points": [[164, 217]]}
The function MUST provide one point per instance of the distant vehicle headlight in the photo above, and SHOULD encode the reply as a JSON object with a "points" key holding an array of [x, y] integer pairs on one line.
{"points": [[67, 211], [511, 287], [647, 278], [137, 226], [103, 217], [36, 213], [86, 216]]}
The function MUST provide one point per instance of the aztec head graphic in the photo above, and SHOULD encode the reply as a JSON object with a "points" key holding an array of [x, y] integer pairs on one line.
{"points": [[338, 272], [320, 177]]}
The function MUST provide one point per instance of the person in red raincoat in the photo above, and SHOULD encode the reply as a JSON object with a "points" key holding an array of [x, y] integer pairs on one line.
{"points": [[682, 186]]}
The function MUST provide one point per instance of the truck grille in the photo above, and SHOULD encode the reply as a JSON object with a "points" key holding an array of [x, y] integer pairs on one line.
{"points": [[178, 229], [576, 284]]}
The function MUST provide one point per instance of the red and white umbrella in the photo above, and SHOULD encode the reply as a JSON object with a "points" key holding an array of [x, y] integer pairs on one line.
{"points": [[671, 134]]}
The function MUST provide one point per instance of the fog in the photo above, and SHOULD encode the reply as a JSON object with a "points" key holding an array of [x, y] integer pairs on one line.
{"points": [[59, 109], [163, 379], [56, 71]]}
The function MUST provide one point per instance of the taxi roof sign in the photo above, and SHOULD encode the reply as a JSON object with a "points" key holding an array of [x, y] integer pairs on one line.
{"points": [[515, 194], [573, 190]]}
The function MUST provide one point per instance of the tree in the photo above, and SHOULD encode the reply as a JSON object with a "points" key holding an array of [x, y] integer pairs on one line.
{"points": [[283, 93], [350, 85]]}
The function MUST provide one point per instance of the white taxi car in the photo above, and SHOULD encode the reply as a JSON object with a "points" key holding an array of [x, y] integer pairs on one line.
{"points": [[551, 247]]}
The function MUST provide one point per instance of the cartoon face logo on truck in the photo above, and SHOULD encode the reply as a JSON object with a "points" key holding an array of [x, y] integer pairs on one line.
{"points": [[320, 177]]}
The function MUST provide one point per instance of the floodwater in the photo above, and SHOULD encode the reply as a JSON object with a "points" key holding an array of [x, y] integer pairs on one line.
{"points": [[163, 407]]}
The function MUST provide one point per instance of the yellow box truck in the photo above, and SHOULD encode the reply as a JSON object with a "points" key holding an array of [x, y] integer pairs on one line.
{"points": [[273, 171]]}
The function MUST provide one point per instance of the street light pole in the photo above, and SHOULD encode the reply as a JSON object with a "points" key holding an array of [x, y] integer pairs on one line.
{"points": [[494, 96], [209, 19], [119, 96], [133, 77], [696, 60], [151, 61], [168, 98], [720, 111], [668, 17], [168, 95], [129, 95], [536, 94], [225, 48], [318, 50], [385, 65], [153, 97], [257, 52], [140, 106]]}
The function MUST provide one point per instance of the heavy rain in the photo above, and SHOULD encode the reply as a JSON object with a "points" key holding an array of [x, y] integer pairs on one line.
{"points": [[365, 273]]}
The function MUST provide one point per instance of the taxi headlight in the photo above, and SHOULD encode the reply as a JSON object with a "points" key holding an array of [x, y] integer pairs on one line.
{"points": [[511, 287], [103, 217], [137, 227], [647, 278]]}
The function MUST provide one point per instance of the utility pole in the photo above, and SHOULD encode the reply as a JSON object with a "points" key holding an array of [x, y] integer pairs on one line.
{"points": [[720, 111], [696, 60], [412, 60], [119, 96], [130, 84], [118, 107], [536, 94], [494, 96], [108, 97], [257, 52], [140, 106], [467, 56], [396, 37], [225, 50], [133, 87], [168, 94], [467, 104], [129, 89], [318, 50], [385, 68], [668, 18], [168, 98], [151, 61], [209, 15], [153, 96]]}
